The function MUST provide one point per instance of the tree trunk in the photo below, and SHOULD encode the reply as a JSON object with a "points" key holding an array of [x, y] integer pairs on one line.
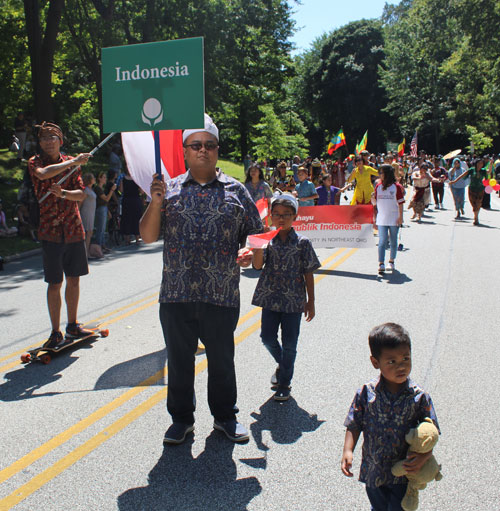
{"points": [[42, 50]]}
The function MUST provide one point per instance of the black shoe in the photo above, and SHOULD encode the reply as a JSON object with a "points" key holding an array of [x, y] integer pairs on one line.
{"points": [[176, 433], [76, 331], [282, 394], [55, 341], [235, 431]]}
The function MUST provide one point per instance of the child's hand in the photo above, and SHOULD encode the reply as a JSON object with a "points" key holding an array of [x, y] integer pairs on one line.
{"points": [[244, 257], [346, 463], [415, 461], [309, 310]]}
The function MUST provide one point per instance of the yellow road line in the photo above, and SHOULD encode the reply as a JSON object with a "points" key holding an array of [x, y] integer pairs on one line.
{"points": [[337, 263], [64, 436], [41, 479], [24, 350], [10, 365], [70, 459]]}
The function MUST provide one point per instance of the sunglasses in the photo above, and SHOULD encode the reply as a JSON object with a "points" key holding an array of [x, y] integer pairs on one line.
{"points": [[209, 146]]}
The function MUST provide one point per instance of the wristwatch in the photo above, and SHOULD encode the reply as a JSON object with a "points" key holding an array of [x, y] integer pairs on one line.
{"points": [[63, 193]]}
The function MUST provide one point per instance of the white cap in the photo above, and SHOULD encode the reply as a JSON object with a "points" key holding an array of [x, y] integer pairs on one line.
{"points": [[210, 127], [288, 197]]}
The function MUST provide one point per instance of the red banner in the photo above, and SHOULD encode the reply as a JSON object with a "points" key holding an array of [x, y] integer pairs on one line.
{"points": [[336, 226]]}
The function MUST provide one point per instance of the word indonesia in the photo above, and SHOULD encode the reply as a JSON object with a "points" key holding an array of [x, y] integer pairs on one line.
{"points": [[150, 73]]}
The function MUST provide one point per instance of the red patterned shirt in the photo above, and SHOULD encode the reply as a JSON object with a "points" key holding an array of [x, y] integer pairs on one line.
{"points": [[60, 220]]}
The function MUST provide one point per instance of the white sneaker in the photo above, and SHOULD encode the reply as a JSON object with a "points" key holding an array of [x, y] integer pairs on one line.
{"points": [[391, 267], [381, 268]]}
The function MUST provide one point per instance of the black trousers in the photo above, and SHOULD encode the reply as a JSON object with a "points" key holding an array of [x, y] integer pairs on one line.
{"points": [[438, 192], [183, 325]]}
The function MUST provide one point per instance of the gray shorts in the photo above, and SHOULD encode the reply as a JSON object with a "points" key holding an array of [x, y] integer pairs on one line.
{"points": [[70, 258]]}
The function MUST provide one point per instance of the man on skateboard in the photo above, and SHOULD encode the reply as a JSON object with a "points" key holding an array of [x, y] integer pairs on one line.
{"points": [[61, 231]]}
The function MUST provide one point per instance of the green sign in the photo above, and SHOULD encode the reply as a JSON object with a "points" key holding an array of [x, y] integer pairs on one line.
{"points": [[392, 147], [153, 86]]}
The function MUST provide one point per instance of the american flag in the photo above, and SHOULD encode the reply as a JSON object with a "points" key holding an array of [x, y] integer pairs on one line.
{"points": [[413, 145]]}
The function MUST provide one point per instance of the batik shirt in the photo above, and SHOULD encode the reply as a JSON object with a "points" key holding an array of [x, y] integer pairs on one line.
{"points": [[281, 286], [203, 228], [60, 219], [385, 419]]}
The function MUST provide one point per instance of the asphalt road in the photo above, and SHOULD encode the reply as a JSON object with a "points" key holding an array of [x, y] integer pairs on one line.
{"points": [[85, 432]]}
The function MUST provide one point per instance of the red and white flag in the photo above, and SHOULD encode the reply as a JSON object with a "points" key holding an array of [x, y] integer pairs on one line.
{"points": [[263, 208], [261, 240], [139, 152]]}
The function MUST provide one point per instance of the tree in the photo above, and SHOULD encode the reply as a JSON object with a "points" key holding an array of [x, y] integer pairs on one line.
{"points": [[474, 65], [42, 44], [416, 46], [15, 86], [270, 141], [340, 85]]}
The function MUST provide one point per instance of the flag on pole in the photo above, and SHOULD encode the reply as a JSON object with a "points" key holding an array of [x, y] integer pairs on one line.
{"points": [[261, 240], [336, 142], [362, 145], [139, 152], [413, 145], [401, 147], [262, 207]]}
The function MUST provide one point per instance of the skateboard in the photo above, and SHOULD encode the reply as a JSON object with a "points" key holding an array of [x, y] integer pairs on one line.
{"points": [[44, 355]]}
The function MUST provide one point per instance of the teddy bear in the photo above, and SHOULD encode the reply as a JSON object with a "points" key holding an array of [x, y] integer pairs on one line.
{"points": [[421, 439]]}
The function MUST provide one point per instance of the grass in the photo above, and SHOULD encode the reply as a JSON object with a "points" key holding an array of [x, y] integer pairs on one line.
{"points": [[235, 170], [16, 245], [11, 177]]}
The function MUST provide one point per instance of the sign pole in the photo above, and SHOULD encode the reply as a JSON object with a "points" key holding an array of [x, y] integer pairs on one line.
{"points": [[157, 153]]}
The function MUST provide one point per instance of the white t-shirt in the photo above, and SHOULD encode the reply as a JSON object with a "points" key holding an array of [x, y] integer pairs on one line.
{"points": [[388, 203]]}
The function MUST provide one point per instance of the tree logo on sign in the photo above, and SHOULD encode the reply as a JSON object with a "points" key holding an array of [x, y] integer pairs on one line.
{"points": [[152, 112]]}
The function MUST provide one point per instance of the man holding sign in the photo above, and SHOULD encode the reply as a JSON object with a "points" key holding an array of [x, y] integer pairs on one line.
{"points": [[206, 219]]}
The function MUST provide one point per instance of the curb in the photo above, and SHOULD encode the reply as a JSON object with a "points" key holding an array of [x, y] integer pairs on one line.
{"points": [[22, 255]]}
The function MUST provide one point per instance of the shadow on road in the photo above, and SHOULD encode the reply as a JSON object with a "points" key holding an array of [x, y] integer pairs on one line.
{"points": [[132, 372], [285, 421], [348, 274], [180, 481], [23, 383], [394, 277]]}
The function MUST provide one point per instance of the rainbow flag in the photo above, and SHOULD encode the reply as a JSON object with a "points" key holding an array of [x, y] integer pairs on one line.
{"points": [[336, 142], [401, 147], [362, 145]]}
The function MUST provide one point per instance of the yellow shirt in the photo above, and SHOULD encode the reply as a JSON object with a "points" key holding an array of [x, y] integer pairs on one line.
{"points": [[364, 187]]}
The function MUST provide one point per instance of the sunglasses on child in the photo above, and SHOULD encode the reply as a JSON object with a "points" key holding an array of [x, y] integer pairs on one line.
{"points": [[196, 146]]}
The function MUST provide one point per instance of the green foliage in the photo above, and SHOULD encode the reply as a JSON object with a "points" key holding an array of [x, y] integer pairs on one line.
{"points": [[479, 140], [441, 70], [427, 64], [271, 139], [339, 84], [416, 46], [15, 85]]}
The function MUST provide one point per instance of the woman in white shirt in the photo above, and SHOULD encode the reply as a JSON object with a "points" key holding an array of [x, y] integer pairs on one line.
{"points": [[389, 199]]}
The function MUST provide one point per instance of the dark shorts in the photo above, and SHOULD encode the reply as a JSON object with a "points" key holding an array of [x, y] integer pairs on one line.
{"points": [[70, 258]]}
